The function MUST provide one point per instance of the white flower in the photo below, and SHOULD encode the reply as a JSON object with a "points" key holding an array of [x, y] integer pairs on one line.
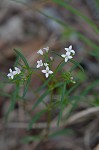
{"points": [[45, 64], [71, 78], [66, 56], [70, 50], [74, 82], [46, 49], [40, 63], [51, 58], [17, 70], [40, 52], [47, 72], [11, 74]]}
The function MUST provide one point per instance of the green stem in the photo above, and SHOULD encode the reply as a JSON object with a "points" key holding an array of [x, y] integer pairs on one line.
{"points": [[58, 66], [49, 116]]}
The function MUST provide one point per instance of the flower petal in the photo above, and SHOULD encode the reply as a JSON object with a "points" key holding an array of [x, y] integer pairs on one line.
{"points": [[63, 55], [47, 68], [9, 74], [16, 68], [70, 47], [72, 51], [15, 72], [50, 72], [44, 71], [12, 76], [37, 66], [70, 57], [66, 59], [10, 70], [47, 74], [40, 52], [51, 58], [66, 49]]}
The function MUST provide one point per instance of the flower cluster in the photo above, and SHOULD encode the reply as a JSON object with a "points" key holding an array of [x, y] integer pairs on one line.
{"points": [[72, 80], [13, 73], [67, 76], [47, 71], [41, 52], [47, 62], [68, 54], [40, 63]]}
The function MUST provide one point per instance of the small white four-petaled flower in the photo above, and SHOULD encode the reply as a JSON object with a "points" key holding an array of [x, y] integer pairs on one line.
{"points": [[13, 73], [51, 58], [40, 52], [46, 49], [45, 64], [40, 63], [70, 50], [47, 72], [17, 70], [66, 56]]}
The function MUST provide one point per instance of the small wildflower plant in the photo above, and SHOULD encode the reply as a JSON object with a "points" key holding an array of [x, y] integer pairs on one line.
{"points": [[54, 79]]}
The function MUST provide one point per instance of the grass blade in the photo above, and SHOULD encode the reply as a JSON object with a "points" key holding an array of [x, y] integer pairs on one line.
{"points": [[12, 103], [61, 103], [31, 138], [77, 64], [26, 86], [90, 87], [61, 132], [40, 99], [22, 57], [36, 117], [77, 13]]}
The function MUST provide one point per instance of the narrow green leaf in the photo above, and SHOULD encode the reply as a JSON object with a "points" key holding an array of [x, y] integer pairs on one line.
{"points": [[78, 98], [26, 86], [77, 13], [77, 64], [5, 94], [60, 66], [61, 103], [22, 57], [88, 41], [36, 117], [45, 84], [40, 99], [16, 61], [72, 89], [2, 85], [29, 139], [90, 87], [71, 29], [58, 85], [61, 132], [74, 105], [12, 103], [97, 2], [45, 94], [95, 54], [56, 54], [53, 18]]}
